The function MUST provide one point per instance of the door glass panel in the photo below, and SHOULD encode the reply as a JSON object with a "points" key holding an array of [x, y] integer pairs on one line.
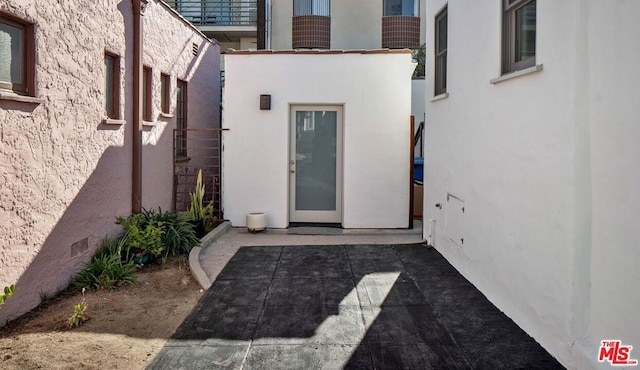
{"points": [[315, 160]]}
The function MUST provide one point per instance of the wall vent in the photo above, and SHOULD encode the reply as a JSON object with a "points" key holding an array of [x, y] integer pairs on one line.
{"points": [[79, 247], [195, 49]]}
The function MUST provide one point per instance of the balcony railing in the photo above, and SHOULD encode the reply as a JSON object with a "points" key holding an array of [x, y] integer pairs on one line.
{"points": [[217, 12]]}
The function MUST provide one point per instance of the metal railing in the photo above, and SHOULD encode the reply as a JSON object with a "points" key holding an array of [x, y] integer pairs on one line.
{"points": [[195, 150], [218, 12]]}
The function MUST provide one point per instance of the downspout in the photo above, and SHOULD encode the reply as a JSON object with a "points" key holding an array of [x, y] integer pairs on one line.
{"points": [[136, 160], [261, 24], [268, 24]]}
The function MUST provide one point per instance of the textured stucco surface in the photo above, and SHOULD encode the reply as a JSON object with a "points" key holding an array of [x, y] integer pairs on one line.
{"points": [[64, 174]]}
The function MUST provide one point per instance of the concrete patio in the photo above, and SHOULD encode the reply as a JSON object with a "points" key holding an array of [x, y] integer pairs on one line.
{"points": [[364, 300]]}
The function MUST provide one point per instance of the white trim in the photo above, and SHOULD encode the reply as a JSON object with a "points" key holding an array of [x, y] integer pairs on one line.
{"points": [[20, 98], [336, 215], [440, 97], [522, 72]]}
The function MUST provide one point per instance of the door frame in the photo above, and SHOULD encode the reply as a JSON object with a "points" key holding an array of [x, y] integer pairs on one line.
{"points": [[316, 216]]}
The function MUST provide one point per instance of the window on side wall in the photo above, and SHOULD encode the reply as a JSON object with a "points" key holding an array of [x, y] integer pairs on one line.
{"points": [[165, 89], [146, 94], [181, 119], [518, 35], [17, 55], [401, 7], [312, 7], [440, 44], [112, 85]]}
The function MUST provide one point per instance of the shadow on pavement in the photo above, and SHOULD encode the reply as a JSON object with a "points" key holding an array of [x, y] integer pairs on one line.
{"points": [[356, 306]]}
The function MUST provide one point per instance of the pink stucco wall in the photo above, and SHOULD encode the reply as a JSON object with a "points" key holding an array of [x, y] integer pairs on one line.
{"points": [[65, 175]]}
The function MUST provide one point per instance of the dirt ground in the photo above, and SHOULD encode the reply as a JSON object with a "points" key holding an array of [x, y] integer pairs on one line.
{"points": [[126, 329]]}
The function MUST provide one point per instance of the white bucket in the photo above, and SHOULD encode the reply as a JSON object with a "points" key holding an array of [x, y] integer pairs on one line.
{"points": [[256, 222]]}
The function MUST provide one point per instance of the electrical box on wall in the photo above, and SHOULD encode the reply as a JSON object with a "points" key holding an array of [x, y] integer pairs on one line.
{"points": [[265, 102], [454, 221]]}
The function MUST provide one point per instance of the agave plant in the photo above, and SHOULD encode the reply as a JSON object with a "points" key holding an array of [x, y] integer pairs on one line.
{"points": [[196, 209]]}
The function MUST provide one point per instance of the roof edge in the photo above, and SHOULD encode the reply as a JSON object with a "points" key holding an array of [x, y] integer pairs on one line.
{"points": [[183, 19], [317, 51]]}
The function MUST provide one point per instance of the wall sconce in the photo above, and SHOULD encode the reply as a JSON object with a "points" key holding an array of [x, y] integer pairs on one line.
{"points": [[265, 102]]}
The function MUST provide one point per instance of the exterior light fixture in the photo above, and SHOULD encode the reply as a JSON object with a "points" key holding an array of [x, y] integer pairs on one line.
{"points": [[265, 102]]}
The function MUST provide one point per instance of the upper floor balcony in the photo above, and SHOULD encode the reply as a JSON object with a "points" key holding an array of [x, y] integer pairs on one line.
{"points": [[226, 19]]}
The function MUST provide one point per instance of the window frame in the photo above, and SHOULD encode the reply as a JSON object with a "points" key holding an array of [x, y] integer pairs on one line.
{"points": [[182, 104], [509, 64], [440, 57], [27, 58], [311, 7], [114, 84], [414, 13], [165, 93], [147, 93]]}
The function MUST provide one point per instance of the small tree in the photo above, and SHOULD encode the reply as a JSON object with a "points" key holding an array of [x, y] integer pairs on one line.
{"points": [[419, 57]]}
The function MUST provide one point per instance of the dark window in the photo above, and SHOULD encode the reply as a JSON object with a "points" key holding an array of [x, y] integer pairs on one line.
{"points": [[441, 53], [518, 35], [401, 7], [17, 55], [181, 118], [165, 89], [312, 7], [146, 94], [112, 85]]}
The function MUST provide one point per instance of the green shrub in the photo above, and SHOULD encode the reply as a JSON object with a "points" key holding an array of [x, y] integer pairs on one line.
{"points": [[178, 237], [106, 269], [142, 235], [7, 292], [80, 315]]}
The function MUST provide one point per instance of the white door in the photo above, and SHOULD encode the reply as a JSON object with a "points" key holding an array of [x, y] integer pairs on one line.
{"points": [[315, 164]]}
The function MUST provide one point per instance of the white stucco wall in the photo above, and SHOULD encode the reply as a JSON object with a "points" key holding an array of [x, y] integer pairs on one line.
{"points": [[65, 174], [544, 165], [613, 109], [354, 24], [374, 89]]}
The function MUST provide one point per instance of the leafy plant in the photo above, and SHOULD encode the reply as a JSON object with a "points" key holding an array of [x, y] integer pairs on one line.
{"points": [[142, 236], [106, 269], [7, 292], [179, 236], [210, 217], [419, 56], [196, 209], [79, 316]]}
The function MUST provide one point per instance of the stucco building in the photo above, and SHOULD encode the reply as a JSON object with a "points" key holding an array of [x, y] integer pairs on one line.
{"points": [[531, 164], [317, 24], [89, 99], [315, 153]]}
